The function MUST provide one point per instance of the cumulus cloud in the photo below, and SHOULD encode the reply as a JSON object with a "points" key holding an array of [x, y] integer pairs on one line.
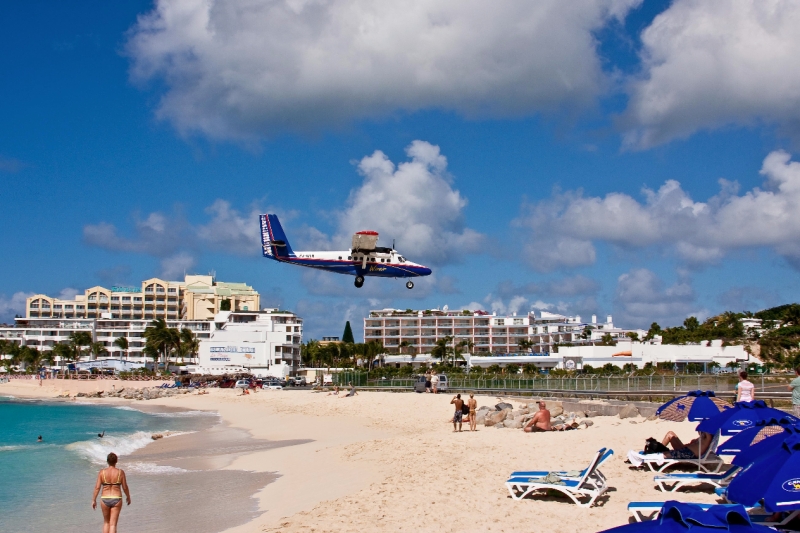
{"points": [[229, 231], [241, 69], [699, 232], [414, 203], [15, 305], [157, 234], [642, 298], [711, 64], [177, 265]]}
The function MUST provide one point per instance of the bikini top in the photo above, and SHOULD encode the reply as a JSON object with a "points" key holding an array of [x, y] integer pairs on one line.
{"points": [[111, 483]]}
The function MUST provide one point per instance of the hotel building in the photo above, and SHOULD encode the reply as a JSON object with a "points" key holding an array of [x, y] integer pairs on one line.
{"points": [[416, 332], [194, 298]]}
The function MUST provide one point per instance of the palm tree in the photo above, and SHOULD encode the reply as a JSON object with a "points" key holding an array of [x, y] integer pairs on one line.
{"points": [[525, 345], [63, 351], [187, 344], [32, 358], [78, 340], [162, 339], [403, 344], [5, 348], [122, 344], [442, 348], [97, 349]]}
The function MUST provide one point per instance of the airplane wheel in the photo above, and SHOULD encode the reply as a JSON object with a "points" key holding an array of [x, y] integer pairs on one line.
{"points": [[359, 281], [409, 285]]}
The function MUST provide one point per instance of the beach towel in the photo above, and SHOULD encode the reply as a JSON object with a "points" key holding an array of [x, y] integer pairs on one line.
{"points": [[549, 479], [636, 458]]}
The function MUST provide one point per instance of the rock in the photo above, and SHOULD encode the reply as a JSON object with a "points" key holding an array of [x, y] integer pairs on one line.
{"points": [[587, 423], [629, 411], [484, 408], [480, 417], [556, 410], [652, 417], [514, 424], [503, 405], [633, 421], [495, 417], [157, 436]]}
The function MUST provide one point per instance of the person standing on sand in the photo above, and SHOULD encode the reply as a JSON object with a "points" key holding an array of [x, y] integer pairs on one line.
{"points": [[435, 382], [540, 421], [472, 403], [427, 382], [111, 481], [794, 386], [459, 403], [745, 392]]}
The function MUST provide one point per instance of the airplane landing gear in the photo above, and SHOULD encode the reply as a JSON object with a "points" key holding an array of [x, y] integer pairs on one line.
{"points": [[409, 285], [359, 281]]}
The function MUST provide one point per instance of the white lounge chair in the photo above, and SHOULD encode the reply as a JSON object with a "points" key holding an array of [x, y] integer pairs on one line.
{"points": [[641, 511], [604, 454], [672, 482], [590, 486], [708, 462]]}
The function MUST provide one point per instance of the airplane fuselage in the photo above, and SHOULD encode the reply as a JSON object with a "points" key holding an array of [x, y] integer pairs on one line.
{"points": [[381, 264]]}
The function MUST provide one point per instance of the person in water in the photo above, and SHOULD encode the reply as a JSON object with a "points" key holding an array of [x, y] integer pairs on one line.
{"points": [[39, 439], [111, 482]]}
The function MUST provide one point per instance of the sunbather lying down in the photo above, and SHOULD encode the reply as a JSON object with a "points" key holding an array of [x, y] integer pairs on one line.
{"points": [[691, 450]]}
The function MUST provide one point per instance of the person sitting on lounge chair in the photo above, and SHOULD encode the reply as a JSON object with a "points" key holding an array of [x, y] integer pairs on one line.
{"points": [[540, 421], [691, 450]]}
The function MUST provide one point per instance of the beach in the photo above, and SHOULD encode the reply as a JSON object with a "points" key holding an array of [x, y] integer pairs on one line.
{"points": [[386, 461]]}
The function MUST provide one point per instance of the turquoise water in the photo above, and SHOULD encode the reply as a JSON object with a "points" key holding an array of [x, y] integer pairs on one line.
{"points": [[48, 486]]}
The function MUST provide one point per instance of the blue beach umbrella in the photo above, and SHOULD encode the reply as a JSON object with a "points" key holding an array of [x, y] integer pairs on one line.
{"points": [[696, 405], [677, 517], [774, 477], [744, 415], [762, 431]]}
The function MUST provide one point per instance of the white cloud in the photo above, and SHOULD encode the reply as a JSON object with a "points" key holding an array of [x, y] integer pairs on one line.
{"points": [[241, 69], [9, 307], [699, 232], [413, 203], [68, 293], [157, 235], [710, 64], [641, 299], [229, 231], [176, 266]]}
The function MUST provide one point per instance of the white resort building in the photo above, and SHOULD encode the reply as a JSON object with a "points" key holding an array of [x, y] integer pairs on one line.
{"points": [[556, 341]]}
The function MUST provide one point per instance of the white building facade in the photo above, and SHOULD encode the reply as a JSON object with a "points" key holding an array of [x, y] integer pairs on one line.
{"points": [[265, 344], [416, 332]]}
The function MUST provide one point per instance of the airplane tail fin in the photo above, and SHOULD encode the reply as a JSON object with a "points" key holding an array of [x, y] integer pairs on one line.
{"points": [[274, 243]]}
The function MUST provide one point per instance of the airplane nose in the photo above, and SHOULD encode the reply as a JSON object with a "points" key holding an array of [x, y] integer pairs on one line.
{"points": [[425, 271]]}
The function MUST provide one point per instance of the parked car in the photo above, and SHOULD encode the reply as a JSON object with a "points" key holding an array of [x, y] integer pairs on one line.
{"points": [[419, 384], [243, 384], [272, 384], [299, 381]]}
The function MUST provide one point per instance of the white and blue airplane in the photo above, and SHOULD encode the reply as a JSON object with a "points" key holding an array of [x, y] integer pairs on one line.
{"points": [[363, 259]]}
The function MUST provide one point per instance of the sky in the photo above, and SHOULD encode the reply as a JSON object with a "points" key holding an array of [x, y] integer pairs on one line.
{"points": [[638, 158]]}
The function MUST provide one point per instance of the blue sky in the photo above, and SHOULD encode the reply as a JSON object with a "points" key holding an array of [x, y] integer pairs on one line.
{"points": [[539, 156]]}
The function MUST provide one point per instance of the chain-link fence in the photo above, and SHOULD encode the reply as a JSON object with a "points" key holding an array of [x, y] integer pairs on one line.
{"points": [[655, 382]]}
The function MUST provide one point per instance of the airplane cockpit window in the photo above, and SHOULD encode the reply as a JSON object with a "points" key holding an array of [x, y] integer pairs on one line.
{"points": [[402, 259]]}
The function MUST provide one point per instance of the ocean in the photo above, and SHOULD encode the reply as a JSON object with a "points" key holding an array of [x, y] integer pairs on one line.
{"points": [[48, 486]]}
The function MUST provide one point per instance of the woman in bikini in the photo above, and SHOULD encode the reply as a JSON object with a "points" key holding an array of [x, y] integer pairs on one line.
{"points": [[111, 482]]}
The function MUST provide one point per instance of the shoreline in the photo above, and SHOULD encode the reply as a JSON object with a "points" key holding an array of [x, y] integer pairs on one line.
{"points": [[393, 461]]}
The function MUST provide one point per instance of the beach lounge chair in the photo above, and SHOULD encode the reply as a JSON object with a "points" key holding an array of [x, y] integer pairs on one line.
{"points": [[604, 453], [672, 482], [641, 511], [590, 486], [708, 462]]}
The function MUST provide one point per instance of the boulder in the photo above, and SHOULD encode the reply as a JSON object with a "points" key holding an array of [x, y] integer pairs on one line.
{"points": [[495, 417], [587, 423], [480, 417], [629, 411], [515, 424], [555, 410], [503, 405], [80, 395]]}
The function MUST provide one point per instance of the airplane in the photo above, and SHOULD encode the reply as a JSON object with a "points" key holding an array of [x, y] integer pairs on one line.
{"points": [[363, 259]]}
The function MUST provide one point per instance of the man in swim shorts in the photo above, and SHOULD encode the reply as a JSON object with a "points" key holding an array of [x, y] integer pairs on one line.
{"points": [[540, 421], [459, 403], [472, 403]]}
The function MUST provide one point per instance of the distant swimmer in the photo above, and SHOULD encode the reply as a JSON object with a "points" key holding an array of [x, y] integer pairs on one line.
{"points": [[39, 439], [103, 434]]}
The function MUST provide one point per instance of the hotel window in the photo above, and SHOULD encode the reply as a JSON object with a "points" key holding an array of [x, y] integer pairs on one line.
{"points": [[517, 321], [68, 307], [35, 305], [499, 322], [126, 298], [148, 289], [115, 298], [137, 298], [45, 305], [57, 306], [80, 307], [172, 290]]}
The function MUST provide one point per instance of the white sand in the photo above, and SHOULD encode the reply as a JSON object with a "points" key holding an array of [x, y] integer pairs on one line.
{"points": [[392, 462]]}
